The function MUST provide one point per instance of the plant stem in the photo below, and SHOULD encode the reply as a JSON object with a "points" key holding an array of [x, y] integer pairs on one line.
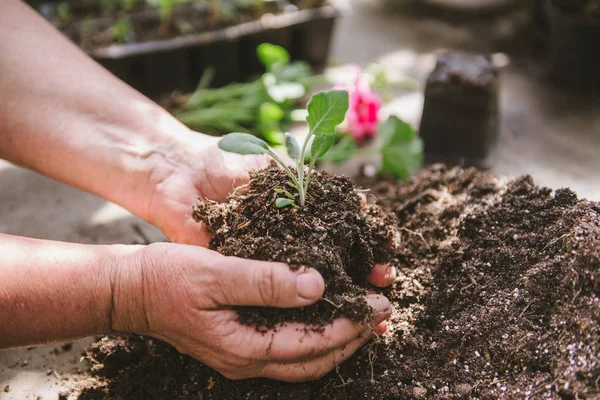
{"points": [[301, 180], [310, 168], [301, 169], [287, 170]]}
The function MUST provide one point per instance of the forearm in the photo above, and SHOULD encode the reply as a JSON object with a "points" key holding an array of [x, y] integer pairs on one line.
{"points": [[53, 291], [63, 115]]}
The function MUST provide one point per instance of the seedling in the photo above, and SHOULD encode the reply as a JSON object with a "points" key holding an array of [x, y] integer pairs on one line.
{"points": [[326, 110], [263, 106], [121, 31]]}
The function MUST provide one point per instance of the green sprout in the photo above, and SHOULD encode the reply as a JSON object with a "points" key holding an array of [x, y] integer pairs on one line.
{"points": [[326, 110], [121, 31]]}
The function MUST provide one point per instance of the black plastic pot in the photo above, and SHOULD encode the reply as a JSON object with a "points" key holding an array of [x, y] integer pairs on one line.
{"points": [[156, 68], [460, 115], [570, 37]]}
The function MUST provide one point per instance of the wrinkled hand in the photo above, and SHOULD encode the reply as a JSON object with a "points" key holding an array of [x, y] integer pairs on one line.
{"points": [[187, 296], [189, 291], [195, 167]]}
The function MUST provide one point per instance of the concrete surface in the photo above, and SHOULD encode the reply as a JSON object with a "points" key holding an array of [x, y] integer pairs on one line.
{"points": [[546, 132]]}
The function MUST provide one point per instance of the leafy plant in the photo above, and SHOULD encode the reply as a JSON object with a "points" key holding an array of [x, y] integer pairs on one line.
{"points": [[262, 107], [121, 31], [326, 110], [401, 149]]}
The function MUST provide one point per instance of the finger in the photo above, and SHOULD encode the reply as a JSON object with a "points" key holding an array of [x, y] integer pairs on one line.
{"points": [[381, 328], [316, 368], [244, 282], [382, 275], [294, 342]]}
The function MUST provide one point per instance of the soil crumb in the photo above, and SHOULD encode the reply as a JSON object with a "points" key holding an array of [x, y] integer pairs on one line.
{"points": [[497, 297]]}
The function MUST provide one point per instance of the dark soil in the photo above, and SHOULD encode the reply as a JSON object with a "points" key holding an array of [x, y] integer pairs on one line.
{"points": [[332, 233], [497, 297], [147, 25], [91, 26]]}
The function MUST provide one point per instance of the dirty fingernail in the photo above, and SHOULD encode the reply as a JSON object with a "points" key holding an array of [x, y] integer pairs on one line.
{"points": [[381, 328], [309, 285]]}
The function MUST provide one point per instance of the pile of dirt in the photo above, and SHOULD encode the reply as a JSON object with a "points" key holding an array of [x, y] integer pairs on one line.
{"points": [[497, 297]]}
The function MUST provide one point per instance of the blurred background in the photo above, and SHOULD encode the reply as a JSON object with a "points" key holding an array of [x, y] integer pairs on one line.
{"points": [[510, 86], [540, 113]]}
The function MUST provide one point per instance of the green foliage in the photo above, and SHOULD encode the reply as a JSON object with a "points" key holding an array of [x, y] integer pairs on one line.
{"points": [[327, 107], [291, 145], [270, 113], [321, 145], [282, 202], [285, 192], [262, 107], [326, 110], [270, 54], [401, 150], [121, 31], [165, 8], [243, 143], [343, 150]]}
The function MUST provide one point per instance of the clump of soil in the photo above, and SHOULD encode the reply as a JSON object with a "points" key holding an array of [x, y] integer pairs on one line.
{"points": [[332, 233], [497, 297]]}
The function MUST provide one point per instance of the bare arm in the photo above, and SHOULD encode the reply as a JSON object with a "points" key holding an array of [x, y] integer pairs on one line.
{"points": [[63, 115], [66, 117], [181, 294], [53, 291]]}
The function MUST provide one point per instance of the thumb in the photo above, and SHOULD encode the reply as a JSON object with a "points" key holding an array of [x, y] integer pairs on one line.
{"points": [[259, 283]]}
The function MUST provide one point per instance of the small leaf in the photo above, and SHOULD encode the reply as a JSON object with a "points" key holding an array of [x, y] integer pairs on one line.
{"points": [[281, 202], [320, 146], [308, 155], [326, 110], [270, 113], [243, 143], [285, 192], [401, 150], [273, 137], [292, 146], [270, 54]]}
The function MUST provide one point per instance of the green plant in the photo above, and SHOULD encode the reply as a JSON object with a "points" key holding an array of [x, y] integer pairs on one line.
{"points": [[401, 149], [263, 107], [121, 31], [326, 110]]}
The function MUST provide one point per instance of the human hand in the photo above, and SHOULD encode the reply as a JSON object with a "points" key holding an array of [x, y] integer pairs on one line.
{"points": [[195, 167], [186, 295]]}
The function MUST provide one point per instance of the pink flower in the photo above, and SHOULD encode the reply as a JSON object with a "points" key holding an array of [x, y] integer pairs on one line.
{"points": [[362, 117]]}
